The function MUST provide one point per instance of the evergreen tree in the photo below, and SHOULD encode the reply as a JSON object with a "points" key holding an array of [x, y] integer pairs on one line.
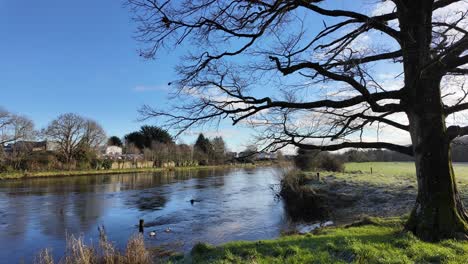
{"points": [[114, 141], [147, 136]]}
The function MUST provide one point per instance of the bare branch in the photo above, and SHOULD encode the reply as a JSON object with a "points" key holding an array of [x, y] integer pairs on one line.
{"points": [[364, 145], [456, 131]]}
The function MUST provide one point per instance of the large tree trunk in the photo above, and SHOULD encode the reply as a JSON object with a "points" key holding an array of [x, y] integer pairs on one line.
{"points": [[439, 212]]}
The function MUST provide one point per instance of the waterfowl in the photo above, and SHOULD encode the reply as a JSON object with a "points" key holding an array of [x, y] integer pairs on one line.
{"points": [[152, 233], [168, 230], [192, 201]]}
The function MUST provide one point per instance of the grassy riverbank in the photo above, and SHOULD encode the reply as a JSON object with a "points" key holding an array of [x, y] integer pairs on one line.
{"points": [[65, 173], [378, 241], [389, 191], [373, 240]]}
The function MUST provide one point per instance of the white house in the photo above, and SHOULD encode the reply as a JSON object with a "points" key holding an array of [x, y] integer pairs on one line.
{"points": [[113, 150], [267, 156]]}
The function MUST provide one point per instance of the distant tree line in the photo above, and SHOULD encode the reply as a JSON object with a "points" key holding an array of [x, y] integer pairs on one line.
{"points": [[71, 141], [373, 155], [334, 161], [318, 160], [158, 146], [459, 152]]}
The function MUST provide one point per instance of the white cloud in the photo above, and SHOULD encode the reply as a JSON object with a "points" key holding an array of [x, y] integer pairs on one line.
{"points": [[383, 7], [148, 88]]}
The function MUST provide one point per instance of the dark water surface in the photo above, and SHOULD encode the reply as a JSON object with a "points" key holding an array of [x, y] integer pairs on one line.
{"points": [[234, 204]]}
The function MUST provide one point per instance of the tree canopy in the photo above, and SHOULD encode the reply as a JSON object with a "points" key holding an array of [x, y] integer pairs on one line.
{"points": [[147, 136], [203, 144], [114, 141], [74, 135], [14, 127], [317, 75]]}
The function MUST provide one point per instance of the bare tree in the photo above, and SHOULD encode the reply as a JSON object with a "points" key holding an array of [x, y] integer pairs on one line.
{"points": [[95, 135], [70, 132], [219, 150], [14, 127], [326, 89]]}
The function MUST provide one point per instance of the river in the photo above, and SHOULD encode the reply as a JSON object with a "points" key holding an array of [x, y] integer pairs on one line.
{"points": [[231, 204]]}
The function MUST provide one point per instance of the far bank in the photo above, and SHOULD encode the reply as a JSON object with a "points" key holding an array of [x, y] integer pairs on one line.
{"points": [[66, 173]]}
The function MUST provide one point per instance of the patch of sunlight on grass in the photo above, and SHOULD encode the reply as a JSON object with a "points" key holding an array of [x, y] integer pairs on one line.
{"points": [[399, 169], [382, 241], [389, 173]]}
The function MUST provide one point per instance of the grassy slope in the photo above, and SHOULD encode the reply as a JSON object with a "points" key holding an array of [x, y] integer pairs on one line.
{"points": [[381, 242]]}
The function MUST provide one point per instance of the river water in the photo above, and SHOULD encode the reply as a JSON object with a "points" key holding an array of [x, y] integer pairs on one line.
{"points": [[231, 204]]}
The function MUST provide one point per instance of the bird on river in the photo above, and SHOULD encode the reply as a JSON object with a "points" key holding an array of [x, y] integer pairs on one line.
{"points": [[192, 201], [152, 233]]}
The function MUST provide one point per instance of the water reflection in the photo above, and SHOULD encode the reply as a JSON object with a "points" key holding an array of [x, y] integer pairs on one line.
{"points": [[232, 204]]}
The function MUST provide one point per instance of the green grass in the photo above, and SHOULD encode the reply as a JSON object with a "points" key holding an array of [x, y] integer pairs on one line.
{"points": [[380, 242], [403, 169], [390, 172]]}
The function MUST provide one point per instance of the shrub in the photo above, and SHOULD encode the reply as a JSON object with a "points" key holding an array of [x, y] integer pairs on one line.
{"points": [[306, 159], [107, 164], [78, 252], [312, 160], [96, 164], [301, 202], [201, 248], [331, 163], [5, 168], [36, 161]]}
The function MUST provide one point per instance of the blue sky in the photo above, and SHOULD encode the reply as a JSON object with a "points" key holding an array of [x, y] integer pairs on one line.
{"points": [[74, 56], [78, 56], [59, 56]]}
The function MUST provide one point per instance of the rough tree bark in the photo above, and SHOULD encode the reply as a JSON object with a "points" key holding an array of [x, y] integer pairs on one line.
{"points": [[439, 212]]}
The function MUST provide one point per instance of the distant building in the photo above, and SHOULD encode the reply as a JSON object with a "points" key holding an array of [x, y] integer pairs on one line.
{"points": [[266, 156], [31, 146], [231, 155], [113, 151]]}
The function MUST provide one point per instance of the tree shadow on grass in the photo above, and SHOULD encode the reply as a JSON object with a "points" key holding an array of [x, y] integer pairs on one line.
{"points": [[381, 242]]}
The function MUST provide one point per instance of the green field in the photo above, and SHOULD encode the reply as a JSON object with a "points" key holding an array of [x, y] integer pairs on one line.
{"points": [[391, 172], [404, 169]]}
